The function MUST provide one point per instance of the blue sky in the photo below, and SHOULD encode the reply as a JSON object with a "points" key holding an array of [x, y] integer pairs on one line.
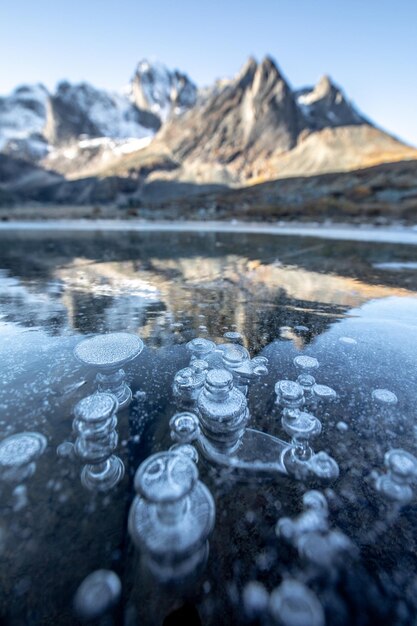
{"points": [[367, 46]]}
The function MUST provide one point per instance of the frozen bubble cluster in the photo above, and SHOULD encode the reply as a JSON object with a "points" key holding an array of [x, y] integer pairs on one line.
{"points": [[95, 425], [214, 388], [311, 534], [189, 381], [299, 458], [97, 595], [232, 356], [223, 411], [18, 454]]}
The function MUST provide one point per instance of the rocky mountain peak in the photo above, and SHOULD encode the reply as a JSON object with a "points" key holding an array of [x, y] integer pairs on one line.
{"points": [[326, 105], [251, 117], [161, 91], [246, 73]]}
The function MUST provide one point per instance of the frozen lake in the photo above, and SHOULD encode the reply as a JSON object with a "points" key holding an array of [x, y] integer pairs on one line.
{"points": [[348, 300]]}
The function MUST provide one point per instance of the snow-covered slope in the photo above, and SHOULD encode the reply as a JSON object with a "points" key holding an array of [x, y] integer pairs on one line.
{"points": [[157, 89], [35, 123], [81, 110], [22, 119]]}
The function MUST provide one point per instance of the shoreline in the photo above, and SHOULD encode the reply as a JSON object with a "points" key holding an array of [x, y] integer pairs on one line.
{"points": [[346, 232]]}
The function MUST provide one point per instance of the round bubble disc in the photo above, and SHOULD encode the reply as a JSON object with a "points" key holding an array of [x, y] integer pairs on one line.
{"points": [[109, 350], [97, 407], [235, 354], [289, 390], [349, 341], [324, 466], [293, 604], [199, 366], [298, 422], [21, 449], [384, 396], [97, 594], [186, 449], [199, 345], [184, 377], [166, 477], [401, 463], [314, 499], [323, 392], [219, 379], [233, 336], [316, 547], [184, 427], [304, 362]]}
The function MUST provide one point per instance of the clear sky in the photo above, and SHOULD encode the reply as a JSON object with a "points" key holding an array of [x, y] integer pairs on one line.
{"points": [[369, 47]]}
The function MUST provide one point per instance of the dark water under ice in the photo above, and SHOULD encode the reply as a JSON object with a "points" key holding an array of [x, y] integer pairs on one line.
{"points": [[351, 305]]}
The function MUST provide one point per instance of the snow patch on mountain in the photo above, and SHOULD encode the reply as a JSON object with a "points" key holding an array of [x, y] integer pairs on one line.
{"points": [[22, 119], [101, 113]]}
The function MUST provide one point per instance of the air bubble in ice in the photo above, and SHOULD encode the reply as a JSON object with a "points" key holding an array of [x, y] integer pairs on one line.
{"points": [[186, 449], [172, 516], [233, 336], [109, 350], [289, 394], [293, 604], [200, 348], [324, 466], [223, 411], [255, 599], [349, 341], [384, 397], [108, 354], [189, 381], [184, 427], [95, 424], [97, 594], [396, 484], [18, 454]]}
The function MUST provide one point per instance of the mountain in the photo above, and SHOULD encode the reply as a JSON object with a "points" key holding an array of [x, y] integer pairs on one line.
{"points": [[326, 105], [22, 120], [34, 122], [162, 137], [250, 118], [255, 127], [163, 92], [76, 111]]}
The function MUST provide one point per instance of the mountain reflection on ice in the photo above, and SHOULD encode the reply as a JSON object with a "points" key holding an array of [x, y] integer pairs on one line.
{"points": [[349, 551]]}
